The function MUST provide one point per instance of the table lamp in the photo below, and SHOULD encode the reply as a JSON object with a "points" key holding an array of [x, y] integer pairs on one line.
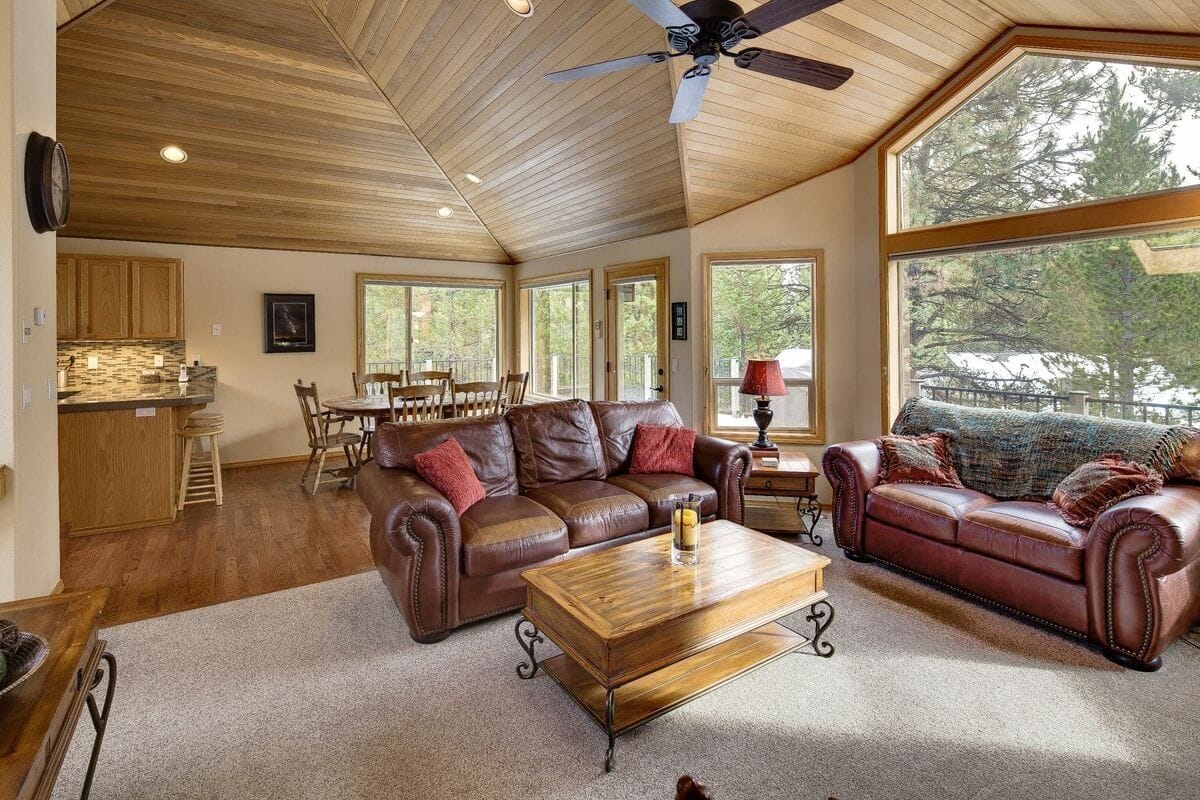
{"points": [[764, 380]]}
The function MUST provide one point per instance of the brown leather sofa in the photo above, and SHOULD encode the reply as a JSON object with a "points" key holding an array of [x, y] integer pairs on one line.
{"points": [[1130, 584], [556, 483]]}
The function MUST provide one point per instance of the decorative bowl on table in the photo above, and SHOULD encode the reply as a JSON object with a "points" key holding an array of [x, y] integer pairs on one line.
{"points": [[23, 653]]}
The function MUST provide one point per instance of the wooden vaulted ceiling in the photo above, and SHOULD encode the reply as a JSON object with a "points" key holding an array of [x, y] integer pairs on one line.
{"points": [[342, 125]]}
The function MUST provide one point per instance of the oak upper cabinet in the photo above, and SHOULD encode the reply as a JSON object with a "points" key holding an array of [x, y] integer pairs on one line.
{"points": [[103, 298], [113, 297], [157, 305], [67, 281]]}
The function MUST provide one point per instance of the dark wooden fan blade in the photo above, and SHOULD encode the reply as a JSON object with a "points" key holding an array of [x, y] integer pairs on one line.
{"points": [[589, 70], [794, 68], [665, 13], [777, 13], [690, 95]]}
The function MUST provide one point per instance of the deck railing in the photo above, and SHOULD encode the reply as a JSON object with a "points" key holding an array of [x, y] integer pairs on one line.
{"points": [[1074, 402]]}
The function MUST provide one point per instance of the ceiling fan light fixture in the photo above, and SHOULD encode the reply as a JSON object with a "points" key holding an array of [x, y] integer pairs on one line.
{"points": [[445, 212], [522, 8], [473, 178], [174, 154]]}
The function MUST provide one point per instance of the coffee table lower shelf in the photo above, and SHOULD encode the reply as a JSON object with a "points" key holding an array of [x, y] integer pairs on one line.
{"points": [[653, 695]]}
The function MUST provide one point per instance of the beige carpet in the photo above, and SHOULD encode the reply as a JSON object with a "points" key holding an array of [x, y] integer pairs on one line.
{"points": [[318, 693]]}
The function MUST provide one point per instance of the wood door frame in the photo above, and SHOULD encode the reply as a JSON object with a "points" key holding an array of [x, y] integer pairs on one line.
{"points": [[660, 270]]}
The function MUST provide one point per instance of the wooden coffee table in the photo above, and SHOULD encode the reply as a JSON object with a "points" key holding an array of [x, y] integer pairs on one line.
{"points": [[641, 637]]}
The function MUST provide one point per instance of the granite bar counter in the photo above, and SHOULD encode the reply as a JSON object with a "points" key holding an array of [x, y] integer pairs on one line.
{"points": [[111, 397], [119, 455]]}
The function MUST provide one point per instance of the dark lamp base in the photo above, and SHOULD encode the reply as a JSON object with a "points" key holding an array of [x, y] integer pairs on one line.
{"points": [[762, 418]]}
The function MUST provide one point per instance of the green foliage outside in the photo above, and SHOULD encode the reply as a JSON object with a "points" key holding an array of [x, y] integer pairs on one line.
{"points": [[1051, 131], [758, 311], [561, 355]]}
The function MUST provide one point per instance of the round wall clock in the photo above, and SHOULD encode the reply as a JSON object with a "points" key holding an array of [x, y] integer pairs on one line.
{"points": [[47, 183]]}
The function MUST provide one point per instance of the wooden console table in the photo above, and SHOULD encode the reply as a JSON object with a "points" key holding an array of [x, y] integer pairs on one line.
{"points": [[794, 476], [38, 718]]}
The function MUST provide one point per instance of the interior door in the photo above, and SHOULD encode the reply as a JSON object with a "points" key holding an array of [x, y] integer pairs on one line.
{"points": [[638, 317]]}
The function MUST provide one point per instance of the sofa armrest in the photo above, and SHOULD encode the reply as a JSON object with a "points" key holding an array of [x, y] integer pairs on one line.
{"points": [[724, 465], [416, 542], [1142, 562], [852, 469]]}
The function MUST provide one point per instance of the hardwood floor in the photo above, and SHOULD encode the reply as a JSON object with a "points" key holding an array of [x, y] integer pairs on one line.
{"points": [[269, 535]]}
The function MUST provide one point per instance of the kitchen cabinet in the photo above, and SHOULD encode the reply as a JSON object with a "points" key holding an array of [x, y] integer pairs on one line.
{"points": [[67, 281], [114, 297]]}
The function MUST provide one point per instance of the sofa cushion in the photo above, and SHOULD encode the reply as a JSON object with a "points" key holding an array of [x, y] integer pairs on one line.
{"points": [[1099, 485], [660, 490], [617, 420], [932, 511], [509, 532], [662, 448], [446, 468], [1026, 533], [594, 511], [485, 440], [917, 459], [555, 443]]}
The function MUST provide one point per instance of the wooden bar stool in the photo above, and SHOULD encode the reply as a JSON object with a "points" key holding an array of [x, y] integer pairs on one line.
{"points": [[200, 481]]}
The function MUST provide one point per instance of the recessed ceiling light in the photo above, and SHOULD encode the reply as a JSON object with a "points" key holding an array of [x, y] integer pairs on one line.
{"points": [[174, 154], [473, 178], [522, 8], [445, 212]]}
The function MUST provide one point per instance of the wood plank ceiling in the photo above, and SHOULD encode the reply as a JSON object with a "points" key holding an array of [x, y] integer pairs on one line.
{"points": [[340, 124]]}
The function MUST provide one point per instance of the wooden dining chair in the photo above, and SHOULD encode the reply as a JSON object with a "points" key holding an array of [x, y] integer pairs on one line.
{"points": [[422, 403], [477, 398], [431, 376], [322, 437], [515, 384], [372, 384]]}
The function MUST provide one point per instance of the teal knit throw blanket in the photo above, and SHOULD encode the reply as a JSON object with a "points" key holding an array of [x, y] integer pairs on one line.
{"points": [[1013, 455]]}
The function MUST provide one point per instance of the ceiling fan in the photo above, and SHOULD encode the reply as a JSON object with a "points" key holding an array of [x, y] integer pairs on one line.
{"points": [[709, 29]]}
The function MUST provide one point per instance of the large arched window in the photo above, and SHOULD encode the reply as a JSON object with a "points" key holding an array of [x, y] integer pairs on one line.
{"points": [[1041, 231]]}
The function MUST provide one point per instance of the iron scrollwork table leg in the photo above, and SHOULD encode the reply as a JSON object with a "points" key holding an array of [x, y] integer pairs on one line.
{"points": [[821, 615], [809, 508], [610, 707], [528, 636], [99, 714]]}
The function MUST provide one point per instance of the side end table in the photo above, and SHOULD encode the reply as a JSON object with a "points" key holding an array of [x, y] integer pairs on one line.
{"points": [[794, 476]]}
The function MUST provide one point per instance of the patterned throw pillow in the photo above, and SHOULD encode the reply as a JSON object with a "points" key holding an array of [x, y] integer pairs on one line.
{"points": [[447, 469], [917, 459], [1098, 485], [662, 448]]}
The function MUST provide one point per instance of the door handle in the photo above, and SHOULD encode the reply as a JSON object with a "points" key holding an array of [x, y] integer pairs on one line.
{"points": [[658, 388]]}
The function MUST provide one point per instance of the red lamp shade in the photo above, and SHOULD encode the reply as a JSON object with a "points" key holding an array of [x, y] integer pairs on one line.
{"points": [[763, 378]]}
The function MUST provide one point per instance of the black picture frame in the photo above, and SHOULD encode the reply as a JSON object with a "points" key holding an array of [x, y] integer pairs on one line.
{"points": [[289, 323], [679, 322]]}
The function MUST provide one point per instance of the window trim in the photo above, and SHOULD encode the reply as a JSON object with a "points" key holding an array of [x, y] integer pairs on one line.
{"points": [[525, 324], [361, 279], [816, 435], [1171, 208]]}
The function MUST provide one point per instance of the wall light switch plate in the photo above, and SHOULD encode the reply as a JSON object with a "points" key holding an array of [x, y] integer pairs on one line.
{"points": [[51, 389], [39, 316], [144, 412], [158, 361], [26, 396], [216, 329], [674, 365], [93, 362]]}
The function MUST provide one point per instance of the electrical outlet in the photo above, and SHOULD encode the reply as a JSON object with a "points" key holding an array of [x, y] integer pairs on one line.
{"points": [[216, 329], [158, 361], [26, 331], [51, 389], [93, 362]]}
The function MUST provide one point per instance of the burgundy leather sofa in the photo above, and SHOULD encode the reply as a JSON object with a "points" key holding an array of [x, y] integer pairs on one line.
{"points": [[1131, 583], [556, 483]]}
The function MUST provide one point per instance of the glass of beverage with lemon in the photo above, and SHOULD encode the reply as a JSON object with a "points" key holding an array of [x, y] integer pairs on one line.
{"points": [[685, 532]]}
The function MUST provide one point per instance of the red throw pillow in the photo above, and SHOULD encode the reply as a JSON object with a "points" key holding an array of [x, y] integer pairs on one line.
{"points": [[447, 469], [662, 448], [917, 459], [1099, 485]]}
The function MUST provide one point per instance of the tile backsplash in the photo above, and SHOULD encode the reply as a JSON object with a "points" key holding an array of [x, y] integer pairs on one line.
{"points": [[120, 362]]}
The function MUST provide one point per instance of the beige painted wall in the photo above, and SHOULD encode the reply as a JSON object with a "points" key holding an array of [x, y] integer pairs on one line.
{"points": [[28, 437], [225, 285]]}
